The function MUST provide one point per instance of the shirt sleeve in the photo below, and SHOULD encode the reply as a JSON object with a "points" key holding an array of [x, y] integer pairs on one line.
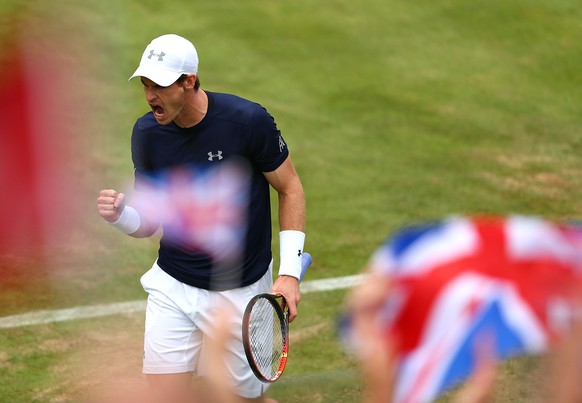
{"points": [[267, 143], [139, 158]]}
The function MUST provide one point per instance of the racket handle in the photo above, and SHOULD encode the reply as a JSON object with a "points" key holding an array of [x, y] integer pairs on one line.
{"points": [[306, 260]]}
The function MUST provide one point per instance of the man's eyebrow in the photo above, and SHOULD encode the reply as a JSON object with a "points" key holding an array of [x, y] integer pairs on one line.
{"points": [[152, 84]]}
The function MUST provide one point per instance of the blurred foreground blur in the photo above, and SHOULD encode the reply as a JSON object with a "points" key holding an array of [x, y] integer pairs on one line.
{"points": [[444, 301], [38, 207]]}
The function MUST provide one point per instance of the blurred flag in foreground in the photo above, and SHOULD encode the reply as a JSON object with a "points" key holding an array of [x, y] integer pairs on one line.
{"points": [[202, 210], [34, 141], [464, 287]]}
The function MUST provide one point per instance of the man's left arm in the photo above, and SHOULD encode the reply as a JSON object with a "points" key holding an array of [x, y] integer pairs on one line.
{"points": [[292, 232]]}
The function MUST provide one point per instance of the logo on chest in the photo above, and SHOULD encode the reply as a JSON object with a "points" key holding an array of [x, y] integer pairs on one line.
{"points": [[212, 156]]}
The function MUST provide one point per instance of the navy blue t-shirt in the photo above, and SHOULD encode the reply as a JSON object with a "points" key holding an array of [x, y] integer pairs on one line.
{"points": [[233, 128]]}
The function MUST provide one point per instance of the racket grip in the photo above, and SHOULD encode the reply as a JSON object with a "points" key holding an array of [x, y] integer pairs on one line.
{"points": [[306, 260]]}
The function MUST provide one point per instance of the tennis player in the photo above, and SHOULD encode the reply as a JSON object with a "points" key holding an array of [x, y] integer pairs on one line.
{"points": [[188, 126]]}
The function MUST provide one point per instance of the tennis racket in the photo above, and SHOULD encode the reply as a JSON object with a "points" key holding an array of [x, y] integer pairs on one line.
{"points": [[265, 332]]}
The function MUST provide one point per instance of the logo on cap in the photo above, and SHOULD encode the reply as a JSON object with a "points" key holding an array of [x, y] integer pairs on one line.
{"points": [[159, 55]]}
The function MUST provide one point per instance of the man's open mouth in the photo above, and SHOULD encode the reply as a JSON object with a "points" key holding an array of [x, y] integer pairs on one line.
{"points": [[158, 111]]}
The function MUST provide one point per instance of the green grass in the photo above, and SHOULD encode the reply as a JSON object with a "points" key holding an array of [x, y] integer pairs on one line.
{"points": [[395, 111]]}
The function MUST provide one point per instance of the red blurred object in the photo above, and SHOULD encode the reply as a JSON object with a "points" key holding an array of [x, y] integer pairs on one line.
{"points": [[31, 158], [19, 164]]}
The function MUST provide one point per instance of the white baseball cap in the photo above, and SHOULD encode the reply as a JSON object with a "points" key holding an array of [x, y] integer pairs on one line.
{"points": [[166, 58]]}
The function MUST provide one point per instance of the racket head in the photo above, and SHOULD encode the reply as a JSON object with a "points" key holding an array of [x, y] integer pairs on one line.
{"points": [[265, 333]]}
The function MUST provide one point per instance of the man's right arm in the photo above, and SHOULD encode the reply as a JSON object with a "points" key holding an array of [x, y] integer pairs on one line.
{"points": [[111, 206]]}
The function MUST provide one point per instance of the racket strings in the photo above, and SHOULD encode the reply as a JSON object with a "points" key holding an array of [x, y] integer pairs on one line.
{"points": [[266, 337]]}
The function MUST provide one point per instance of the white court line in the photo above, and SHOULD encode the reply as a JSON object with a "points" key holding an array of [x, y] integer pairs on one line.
{"points": [[93, 311]]}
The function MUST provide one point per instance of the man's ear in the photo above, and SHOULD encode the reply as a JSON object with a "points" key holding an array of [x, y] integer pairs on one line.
{"points": [[190, 81]]}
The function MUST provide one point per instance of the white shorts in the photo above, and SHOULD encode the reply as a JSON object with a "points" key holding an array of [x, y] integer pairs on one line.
{"points": [[179, 317]]}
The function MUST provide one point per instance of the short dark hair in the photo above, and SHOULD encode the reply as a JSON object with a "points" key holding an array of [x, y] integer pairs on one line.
{"points": [[183, 78]]}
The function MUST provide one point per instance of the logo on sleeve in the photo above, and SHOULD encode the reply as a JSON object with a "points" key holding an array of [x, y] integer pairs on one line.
{"points": [[282, 144]]}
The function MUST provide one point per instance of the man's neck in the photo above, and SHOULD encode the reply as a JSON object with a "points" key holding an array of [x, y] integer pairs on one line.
{"points": [[194, 110]]}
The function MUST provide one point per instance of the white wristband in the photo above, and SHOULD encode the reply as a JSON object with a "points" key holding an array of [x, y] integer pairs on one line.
{"points": [[129, 221], [291, 247]]}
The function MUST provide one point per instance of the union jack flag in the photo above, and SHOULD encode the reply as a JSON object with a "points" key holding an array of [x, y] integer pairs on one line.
{"points": [[201, 209], [457, 282]]}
